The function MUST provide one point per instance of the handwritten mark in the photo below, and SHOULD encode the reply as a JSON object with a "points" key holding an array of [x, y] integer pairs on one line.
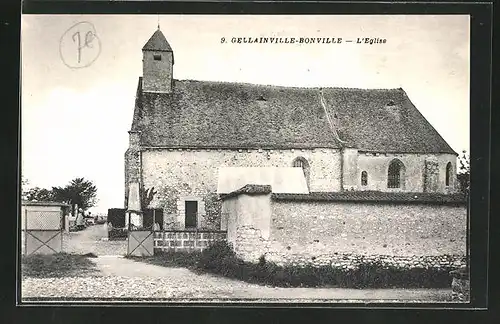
{"points": [[80, 46]]}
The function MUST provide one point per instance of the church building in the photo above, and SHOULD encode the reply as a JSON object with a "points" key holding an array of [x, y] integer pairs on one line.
{"points": [[364, 142]]}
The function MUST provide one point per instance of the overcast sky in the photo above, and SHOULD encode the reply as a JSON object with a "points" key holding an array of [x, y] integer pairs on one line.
{"points": [[75, 121]]}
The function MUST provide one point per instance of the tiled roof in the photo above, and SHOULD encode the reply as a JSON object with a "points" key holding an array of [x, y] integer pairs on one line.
{"points": [[375, 196], [204, 114], [157, 42], [249, 190]]}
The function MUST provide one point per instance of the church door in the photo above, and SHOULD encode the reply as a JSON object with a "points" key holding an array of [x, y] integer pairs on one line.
{"points": [[191, 214]]}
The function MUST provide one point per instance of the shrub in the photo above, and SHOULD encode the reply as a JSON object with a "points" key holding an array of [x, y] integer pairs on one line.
{"points": [[171, 259], [117, 234], [219, 258]]}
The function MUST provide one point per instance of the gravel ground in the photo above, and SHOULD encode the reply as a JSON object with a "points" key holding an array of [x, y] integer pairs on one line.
{"points": [[121, 278]]}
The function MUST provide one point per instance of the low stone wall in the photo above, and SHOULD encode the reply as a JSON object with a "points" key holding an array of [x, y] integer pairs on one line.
{"points": [[352, 261], [186, 240]]}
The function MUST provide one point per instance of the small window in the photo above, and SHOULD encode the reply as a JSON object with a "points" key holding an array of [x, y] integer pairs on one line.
{"points": [[395, 174], [364, 178], [301, 162], [448, 173], [157, 57], [298, 163]]}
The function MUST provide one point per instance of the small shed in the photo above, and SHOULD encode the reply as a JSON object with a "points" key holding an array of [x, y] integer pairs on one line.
{"points": [[42, 223]]}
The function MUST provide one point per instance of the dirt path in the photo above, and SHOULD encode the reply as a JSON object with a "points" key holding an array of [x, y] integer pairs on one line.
{"points": [[90, 240]]}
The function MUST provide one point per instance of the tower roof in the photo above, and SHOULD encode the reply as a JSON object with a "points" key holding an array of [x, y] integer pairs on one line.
{"points": [[157, 42]]}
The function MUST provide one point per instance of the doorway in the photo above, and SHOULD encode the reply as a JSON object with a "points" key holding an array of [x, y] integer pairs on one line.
{"points": [[191, 210]]}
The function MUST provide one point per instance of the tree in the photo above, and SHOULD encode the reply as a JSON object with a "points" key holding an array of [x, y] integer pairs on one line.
{"points": [[463, 175], [24, 188], [147, 196], [38, 194], [78, 191]]}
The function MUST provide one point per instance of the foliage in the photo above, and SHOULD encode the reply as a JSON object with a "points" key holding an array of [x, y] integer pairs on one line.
{"points": [[463, 175], [39, 194], [56, 265], [171, 259], [78, 191], [147, 196], [117, 234], [219, 258]]}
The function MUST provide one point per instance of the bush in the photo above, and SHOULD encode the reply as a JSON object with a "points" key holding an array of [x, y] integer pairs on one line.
{"points": [[117, 233], [171, 259], [219, 258]]}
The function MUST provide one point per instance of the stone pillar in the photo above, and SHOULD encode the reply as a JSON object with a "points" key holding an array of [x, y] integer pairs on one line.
{"points": [[431, 175], [134, 205], [460, 285], [349, 169], [132, 162]]}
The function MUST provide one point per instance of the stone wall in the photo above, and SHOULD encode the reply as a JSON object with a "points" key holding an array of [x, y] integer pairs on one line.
{"points": [[191, 174], [177, 174], [400, 229], [186, 240], [354, 260], [350, 169], [347, 233], [377, 164], [431, 175]]}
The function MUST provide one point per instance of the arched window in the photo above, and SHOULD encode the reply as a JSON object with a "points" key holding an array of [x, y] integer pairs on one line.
{"points": [[395, 174], [449, 170], [301, 162], [364, 178]]}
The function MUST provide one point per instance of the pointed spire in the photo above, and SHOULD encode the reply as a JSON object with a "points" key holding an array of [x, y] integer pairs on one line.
{"points": [[158, 22], [157, 42]]}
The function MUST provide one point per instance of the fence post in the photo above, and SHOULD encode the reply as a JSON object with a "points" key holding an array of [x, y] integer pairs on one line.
{"points": [[25, 231], [467, 240], [61, 230]]}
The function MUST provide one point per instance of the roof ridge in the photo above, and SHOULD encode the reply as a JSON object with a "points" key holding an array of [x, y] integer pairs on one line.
{"points": [[288, 87]]}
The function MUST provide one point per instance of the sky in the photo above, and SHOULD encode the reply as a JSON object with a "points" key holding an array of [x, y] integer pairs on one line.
{"points": [[76, 114]]}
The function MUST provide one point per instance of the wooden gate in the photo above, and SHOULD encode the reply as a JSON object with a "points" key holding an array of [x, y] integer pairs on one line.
{"points": [[42, 230], [140, 241]]}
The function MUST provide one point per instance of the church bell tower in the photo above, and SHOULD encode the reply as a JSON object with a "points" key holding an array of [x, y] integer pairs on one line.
{"points": [[157, 64]]}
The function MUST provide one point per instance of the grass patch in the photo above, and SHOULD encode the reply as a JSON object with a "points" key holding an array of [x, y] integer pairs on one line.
{"points": [[56, 265]]}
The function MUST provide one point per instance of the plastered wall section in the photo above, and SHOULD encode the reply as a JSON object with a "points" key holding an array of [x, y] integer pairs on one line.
{"points": [[318, 228], [176, 174], [158, 74], [249, 223], [377, 165]]}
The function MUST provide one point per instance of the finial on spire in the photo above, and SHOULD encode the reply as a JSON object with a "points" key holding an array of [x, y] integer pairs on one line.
{"points": [[158, 22]]}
